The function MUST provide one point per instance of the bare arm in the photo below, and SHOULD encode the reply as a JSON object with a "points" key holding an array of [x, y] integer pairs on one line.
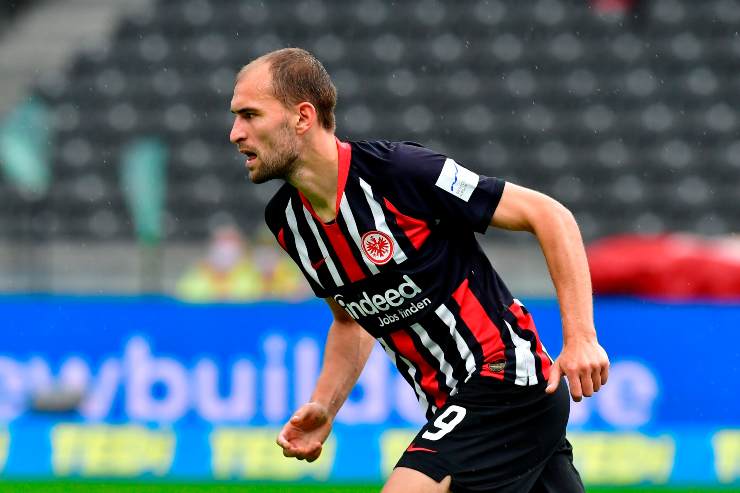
{"points": [[582, 360], [346, 351]]}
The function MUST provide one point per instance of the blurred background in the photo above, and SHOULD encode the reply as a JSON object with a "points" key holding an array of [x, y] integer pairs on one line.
{"points": [[151, 328]]}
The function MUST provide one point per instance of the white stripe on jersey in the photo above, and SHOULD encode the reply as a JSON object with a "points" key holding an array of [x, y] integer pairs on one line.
{"points": [[380, 222], [327, 258], [412, 373], [300, 244], [526, 372], [465, 353], [349, 219], [438, 354], [542, 344]]}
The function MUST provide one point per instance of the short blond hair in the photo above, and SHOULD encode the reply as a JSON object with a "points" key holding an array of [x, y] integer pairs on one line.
{"points": [[298, 76]]}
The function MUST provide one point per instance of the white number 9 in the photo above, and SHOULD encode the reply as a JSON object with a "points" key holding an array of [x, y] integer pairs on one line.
{"points": [[445, 426]]}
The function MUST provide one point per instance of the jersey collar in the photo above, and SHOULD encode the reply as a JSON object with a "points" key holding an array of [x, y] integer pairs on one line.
{"points": [[344, 152]]}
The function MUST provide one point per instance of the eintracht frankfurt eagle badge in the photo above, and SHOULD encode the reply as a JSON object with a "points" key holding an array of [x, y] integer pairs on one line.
{"points": [[377, 247]]}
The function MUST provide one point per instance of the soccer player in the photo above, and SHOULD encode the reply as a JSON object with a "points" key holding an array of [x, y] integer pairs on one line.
{"points": [[384, 231]]}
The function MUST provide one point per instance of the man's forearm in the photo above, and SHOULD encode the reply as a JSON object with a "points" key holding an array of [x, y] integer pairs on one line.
{"points": [[346, 351], [561, 243], [582, 359]]}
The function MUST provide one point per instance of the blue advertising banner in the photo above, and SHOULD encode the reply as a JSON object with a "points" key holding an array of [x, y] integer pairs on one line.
{"points": [[165, 389]]}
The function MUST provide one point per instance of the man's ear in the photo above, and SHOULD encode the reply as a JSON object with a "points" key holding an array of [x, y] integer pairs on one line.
{"points": [[306, 117]]}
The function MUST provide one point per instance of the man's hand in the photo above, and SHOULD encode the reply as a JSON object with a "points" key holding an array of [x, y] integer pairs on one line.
{"points": [[303, 436], [346, 351], [586, 365]]}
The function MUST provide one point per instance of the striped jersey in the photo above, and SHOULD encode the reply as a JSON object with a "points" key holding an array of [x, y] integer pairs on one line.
{"points": [[402, 259]]}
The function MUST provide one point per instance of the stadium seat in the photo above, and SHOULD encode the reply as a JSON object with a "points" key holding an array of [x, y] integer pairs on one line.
{"points": [[546, 93]]}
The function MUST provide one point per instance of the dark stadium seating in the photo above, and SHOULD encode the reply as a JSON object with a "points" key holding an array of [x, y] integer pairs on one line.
{"points": [[636, 128], [9, 9]]}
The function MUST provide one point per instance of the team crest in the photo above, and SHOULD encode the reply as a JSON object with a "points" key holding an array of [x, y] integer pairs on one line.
{"points": [[377, 247]]}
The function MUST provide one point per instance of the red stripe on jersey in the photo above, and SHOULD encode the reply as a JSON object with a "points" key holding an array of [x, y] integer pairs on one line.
{"points": [[416, 230], [336, 238], [526, 322], [344, 252], [344, 155], [482, 327], [429, 383], [281, 239]]}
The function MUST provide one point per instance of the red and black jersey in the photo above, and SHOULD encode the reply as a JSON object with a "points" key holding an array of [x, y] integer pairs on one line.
{"points": [[402, 259]]}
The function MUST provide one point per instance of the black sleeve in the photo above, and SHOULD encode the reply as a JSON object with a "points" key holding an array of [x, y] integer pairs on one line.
{"points": [[438, 186]]}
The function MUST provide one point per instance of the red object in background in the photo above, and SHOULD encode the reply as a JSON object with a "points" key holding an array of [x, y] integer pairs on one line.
{"points": [[673, 266], [606, 6]]}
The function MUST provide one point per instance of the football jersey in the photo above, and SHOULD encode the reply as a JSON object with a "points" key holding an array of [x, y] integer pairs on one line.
{"points": [[402, 259]]}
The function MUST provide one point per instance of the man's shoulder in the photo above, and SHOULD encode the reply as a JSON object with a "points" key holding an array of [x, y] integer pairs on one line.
{"points": [[383, 150], [275, 208], [384, 157]]}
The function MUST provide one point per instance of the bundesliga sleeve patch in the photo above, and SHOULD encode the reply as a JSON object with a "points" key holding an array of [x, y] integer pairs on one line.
{"points": [[457, 180]]}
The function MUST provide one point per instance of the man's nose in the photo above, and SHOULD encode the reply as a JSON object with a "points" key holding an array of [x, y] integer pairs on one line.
{"points": [[237, 132]]}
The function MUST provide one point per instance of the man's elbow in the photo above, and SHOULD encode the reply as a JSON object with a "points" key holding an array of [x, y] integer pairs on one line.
{"points": [[563, 213], [552, 214], [524, 209]]}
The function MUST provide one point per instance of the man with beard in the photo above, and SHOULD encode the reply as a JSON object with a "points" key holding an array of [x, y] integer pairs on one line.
{"points": [[384, 231]]}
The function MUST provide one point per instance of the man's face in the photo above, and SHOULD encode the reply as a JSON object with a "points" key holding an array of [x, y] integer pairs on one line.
{"points": [[262, 127]]}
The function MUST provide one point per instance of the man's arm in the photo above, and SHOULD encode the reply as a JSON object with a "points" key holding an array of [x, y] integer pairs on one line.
{"points": [[582, 359], [347, 348], [346, 351]]}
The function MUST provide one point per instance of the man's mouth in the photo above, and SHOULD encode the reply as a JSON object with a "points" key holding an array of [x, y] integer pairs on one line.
{"points": [[251, 156]]}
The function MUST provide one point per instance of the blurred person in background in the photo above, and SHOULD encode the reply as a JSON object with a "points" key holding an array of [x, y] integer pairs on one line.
{"points": [[384, 232], [227, 273], [281, 278]]}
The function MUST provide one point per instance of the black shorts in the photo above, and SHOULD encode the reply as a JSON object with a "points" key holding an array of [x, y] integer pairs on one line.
{"points": [[498, 437]]}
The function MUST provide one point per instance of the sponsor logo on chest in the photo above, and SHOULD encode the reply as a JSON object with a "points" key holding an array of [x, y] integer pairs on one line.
{"points": [[367, 304]]}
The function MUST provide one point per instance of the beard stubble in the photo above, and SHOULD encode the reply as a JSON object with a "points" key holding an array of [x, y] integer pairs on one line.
{"points": [[281, 161]]}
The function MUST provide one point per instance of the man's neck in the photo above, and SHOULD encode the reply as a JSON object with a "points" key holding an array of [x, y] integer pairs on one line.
{"points": [[316, 175]]}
